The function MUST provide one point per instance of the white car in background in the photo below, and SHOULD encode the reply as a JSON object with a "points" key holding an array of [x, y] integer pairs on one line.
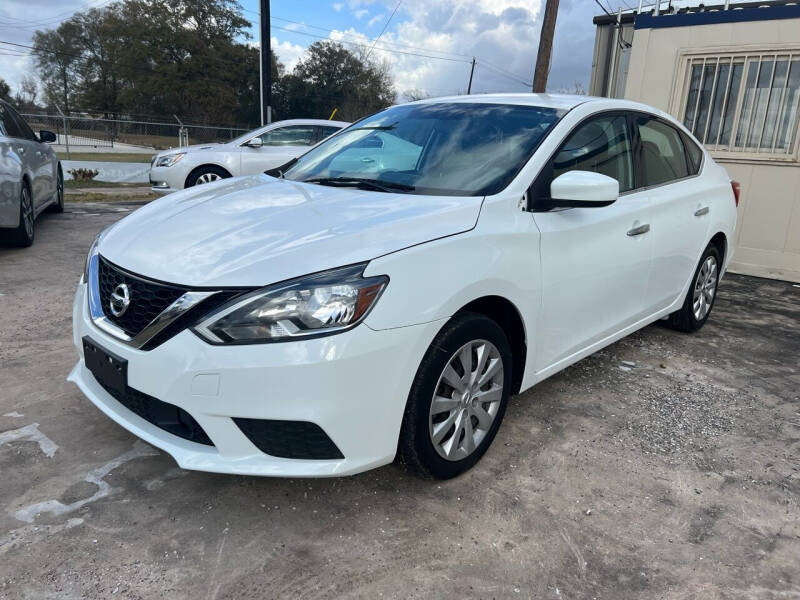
{"points": [[255, 152]]}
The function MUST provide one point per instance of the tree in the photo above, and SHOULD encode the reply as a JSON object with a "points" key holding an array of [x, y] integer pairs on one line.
{"points": [[25, 99], [57, 54], [415, 94], [191, 58], [331, 76], [5, 89]]}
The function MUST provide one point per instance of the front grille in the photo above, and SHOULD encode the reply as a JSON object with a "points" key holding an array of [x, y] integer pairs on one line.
{"points": [[166, 416], [289, 439], [148, 298]]}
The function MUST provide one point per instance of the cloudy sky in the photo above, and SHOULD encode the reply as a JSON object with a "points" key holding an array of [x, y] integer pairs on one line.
{"points": [[429, 44]]}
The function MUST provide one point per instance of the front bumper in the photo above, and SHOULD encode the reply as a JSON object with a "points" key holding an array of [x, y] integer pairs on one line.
{"points": [[165, 180], [353, 385]]}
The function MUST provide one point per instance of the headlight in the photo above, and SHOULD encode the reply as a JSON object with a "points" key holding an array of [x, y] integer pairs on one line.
{"points": [[169, 159], [92, 252], [318, 304]]}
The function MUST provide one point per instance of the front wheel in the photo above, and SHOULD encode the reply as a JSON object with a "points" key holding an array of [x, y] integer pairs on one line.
{"points": [[458, 398], [207, 174], [701, 295]]}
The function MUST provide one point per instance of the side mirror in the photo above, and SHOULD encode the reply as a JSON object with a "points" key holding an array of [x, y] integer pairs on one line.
{"points": [[255, 142], [576, 189], [47, 136]]}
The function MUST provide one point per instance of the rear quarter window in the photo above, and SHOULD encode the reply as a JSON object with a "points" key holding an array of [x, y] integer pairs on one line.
{"points": [[694, 154]]}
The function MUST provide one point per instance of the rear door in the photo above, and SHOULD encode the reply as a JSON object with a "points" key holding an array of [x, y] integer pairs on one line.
{"points": [[595, 261], [680, 203], [37, 158], [9, 170], [279, 146]]}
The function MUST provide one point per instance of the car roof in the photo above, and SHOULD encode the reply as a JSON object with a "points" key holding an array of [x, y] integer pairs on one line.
{"points": [[311, 122], [558, 101]]}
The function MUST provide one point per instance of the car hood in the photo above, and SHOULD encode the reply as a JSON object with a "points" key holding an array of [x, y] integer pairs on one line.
{"points": [[192, 148], [252, 231]]}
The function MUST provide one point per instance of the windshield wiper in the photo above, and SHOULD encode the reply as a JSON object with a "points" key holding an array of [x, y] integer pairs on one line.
{"points": [[280, 170], [362, 183]]}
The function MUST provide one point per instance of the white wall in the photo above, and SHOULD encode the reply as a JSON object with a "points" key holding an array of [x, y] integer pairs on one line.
{"points": [[768, 237]]}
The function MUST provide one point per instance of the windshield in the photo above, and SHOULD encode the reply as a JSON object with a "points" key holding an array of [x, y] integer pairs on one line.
{"points": [[465, 149]]}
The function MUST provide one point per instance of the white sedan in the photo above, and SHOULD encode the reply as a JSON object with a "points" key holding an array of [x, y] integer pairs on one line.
{"points": [[254, 152], [387, 294]]}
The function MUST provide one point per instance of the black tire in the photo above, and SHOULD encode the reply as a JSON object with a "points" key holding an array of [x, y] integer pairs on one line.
{"points": [[58, 205], [416, 449], [196, 177], [22, 235], [685, 319]]}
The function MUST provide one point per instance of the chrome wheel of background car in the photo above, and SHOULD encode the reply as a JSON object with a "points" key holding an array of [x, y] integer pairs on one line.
{"points": [[705, 286], [207, 178], [466, 400], [26, 206]]}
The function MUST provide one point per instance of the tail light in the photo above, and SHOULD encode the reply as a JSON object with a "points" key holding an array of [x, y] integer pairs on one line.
{"points": [[736, 190]]}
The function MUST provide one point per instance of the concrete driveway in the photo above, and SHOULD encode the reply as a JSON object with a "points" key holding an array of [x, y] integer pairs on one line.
{"points": [[665, 466]]}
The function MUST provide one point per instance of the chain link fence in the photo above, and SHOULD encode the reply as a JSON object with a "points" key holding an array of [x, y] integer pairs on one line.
{"points": [[82, 132]]}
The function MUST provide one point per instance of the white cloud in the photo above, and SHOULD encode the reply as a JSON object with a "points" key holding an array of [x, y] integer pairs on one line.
{"points": [[502, 34], [288, 53], [360, 13], [375, 19], [338, 6], [21, 18]]}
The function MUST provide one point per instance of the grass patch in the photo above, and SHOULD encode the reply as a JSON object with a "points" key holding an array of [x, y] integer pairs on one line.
{"points": [[108, 198], [107, 156], [92, 183]]}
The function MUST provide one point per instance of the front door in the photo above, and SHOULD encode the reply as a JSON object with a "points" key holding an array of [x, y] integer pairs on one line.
{"points": [[595, 261], [278, 146]]}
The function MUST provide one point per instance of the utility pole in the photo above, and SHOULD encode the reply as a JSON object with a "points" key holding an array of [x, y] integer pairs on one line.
{"points": [[471, 73], [545, 47], [266, 66]]}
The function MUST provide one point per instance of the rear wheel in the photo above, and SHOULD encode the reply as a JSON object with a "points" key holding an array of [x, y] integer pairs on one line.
{"points": [[22, 235], [207, 174], [701, 295], [58, 205], [458, 398]]}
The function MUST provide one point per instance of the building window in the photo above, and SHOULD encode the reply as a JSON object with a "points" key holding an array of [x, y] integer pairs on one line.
{"points": [[745, 103]]}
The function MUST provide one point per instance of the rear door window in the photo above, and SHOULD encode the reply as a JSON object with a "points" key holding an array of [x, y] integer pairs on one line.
{"points": [[662, 156], [694, 155]]}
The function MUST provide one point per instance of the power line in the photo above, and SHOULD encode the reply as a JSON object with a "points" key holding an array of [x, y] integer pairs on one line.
{"points": [[467, 57], [385, 25], [345, 34], [55, 18], [321, 37]]}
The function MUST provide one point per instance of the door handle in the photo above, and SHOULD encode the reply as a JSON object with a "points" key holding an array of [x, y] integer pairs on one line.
{"points": [[701, 211], [639, 230]]}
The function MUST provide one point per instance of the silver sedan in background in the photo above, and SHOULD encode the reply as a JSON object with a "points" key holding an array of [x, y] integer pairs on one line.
{"points": [[254, 152], [31, 179]]}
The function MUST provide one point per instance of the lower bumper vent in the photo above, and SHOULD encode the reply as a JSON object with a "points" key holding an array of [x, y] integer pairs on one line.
{"points": [[166, 416], [289, 439]]}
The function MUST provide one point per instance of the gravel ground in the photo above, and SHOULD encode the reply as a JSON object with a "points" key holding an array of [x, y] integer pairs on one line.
{"points": [[665, 466]]}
